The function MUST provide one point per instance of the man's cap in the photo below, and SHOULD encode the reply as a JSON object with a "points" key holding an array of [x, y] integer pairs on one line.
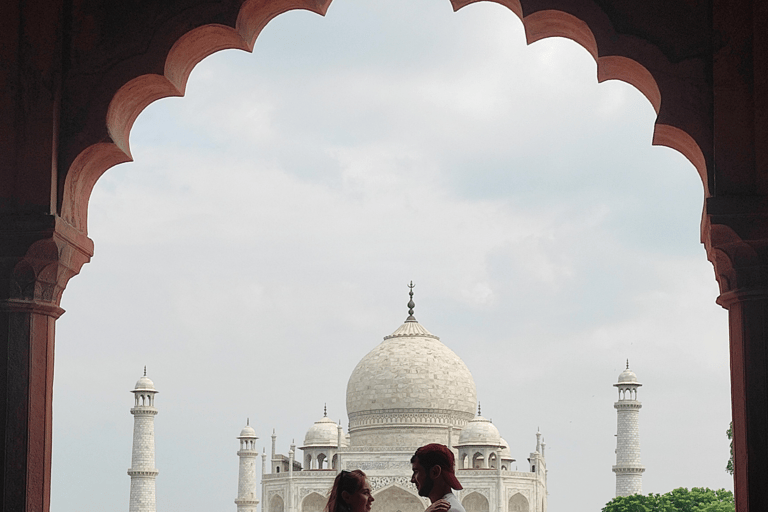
{"points": [[436, 454]]}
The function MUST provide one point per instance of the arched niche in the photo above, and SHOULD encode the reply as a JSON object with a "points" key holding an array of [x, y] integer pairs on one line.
{"points": [[518, 503], [396, 499], [276, 504], [475, 502], [314, 502]]}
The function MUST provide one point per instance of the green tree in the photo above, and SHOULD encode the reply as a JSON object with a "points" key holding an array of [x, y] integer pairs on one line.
{"points": [[697, 499], [729, 433]]}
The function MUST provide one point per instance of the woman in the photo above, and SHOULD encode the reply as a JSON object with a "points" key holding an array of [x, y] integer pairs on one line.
{"points": [[351, 492]]}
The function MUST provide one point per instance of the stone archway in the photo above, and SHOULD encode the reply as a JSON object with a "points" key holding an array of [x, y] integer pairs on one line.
{"points": [[314, 502], [518, 503], [276, 504], [475, 502], [69, 109], [396, 499]]}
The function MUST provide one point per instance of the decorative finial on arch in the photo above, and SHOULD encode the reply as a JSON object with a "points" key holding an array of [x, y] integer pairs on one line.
{"points": [[411, 304]]}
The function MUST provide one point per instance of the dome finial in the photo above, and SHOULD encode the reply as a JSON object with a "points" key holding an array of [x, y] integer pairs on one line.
{"points": [[478, 408], [411, 304], [627, 363], [247, 422], [145, 370], [325, 410]]}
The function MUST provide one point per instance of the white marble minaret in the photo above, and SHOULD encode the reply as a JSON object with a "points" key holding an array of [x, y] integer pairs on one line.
{"points": [[246, 483], [628, 469], [143, 470]]}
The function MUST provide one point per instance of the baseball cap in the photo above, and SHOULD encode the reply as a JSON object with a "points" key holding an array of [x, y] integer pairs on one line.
{"points": [[436, 454]]}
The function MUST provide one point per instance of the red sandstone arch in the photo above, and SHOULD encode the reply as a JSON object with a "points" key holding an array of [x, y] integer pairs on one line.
{"points": [[65, 62], [193, 46], [134, 96]]}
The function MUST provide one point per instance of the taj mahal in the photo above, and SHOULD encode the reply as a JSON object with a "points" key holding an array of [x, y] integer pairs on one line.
{"points": [[410, 390]]}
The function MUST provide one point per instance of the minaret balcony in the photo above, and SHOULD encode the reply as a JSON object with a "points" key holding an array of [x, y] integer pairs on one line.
{"points": [[143, 472], [253, 503], [143, 410], [628, 469], [627, 404]]}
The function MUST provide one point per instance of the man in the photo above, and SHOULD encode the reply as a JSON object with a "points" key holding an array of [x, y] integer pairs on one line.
{"points": [[434, 477]]}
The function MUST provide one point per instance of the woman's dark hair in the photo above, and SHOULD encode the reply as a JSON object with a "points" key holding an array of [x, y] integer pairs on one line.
{"points": [[350, 481]]}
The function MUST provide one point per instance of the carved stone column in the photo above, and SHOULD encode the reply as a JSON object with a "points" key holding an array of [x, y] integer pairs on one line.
{"points": [[38, 255], [736, 237]]}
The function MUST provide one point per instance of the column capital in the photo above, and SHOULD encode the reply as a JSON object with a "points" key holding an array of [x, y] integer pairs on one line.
{"points": [[40, 254], [734, 232]]}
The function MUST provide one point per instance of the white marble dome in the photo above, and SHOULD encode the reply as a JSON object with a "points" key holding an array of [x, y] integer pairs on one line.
{"points": [[410, 378], [323, 433], [480, 432], [628, 377], [145, 384], [505, 453], [247, 432]]}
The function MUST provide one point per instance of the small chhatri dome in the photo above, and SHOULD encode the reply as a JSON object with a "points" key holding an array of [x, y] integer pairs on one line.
{"points": [[505, 453], [247, 432], [480, 432], [144, 383], [325, 432], [627, 377]]}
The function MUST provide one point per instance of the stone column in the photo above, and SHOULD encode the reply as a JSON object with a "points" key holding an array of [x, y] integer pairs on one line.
{"points": [[143, 471], [629, 470], [246, 482], [735, 229], [739, 252], [38, 255], [339, 435]]}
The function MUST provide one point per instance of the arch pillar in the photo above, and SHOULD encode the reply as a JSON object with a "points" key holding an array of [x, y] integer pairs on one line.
{"points": [[38, 256], [735, 233]]}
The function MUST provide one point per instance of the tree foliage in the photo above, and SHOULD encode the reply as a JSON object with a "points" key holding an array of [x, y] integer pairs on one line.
{"points": [[729, 433], [697, 499]]}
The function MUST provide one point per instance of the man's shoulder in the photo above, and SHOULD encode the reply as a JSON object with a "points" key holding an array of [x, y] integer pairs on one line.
{"points": [[455, 503]]}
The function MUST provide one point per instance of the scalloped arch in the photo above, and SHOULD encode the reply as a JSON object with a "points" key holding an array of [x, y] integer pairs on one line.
{"points": [[134, 96], [552, 23]]}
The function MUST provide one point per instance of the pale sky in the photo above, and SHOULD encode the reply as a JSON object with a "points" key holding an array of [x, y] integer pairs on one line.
{"points": [[261, 243]]}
